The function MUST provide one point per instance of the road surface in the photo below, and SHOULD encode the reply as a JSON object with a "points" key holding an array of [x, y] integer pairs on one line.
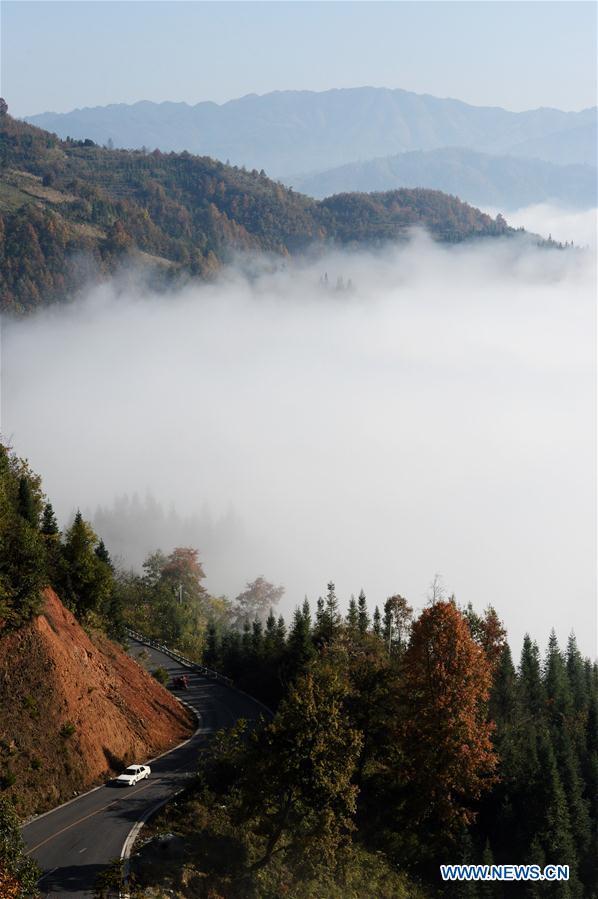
{"points": [[75, 842]]}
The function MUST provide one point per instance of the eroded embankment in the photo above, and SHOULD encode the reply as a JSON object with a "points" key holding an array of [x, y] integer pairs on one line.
{"points": [[75, 708]]}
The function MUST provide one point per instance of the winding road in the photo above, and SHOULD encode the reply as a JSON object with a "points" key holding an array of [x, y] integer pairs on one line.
{"points": [[75, 842]]}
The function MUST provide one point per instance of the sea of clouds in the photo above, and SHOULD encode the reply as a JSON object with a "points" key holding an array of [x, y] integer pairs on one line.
{"points": [[440, 417]]}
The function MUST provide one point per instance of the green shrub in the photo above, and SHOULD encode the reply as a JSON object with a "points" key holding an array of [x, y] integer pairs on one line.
{"points": [[8, 779], [67, 730], [161, 675]]}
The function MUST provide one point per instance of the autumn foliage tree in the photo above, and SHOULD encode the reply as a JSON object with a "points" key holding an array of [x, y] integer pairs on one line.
{"points": [[446, 735]]}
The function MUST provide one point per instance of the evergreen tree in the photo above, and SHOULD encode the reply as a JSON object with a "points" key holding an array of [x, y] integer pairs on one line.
{"points": [[103, 554], [86, 579], [257, 638], [211, 652], [281, 634], [352, 617], [26, 505], [49, 526], [377, 623], [503, 696], [300, 644], [306, 612], [364, 620], [530, 680], [246, 641], [555, 834], [332, 618], [270, 636]]}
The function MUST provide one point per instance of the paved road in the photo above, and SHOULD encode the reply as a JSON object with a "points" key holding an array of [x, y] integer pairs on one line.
{"points": [[75, 842]]}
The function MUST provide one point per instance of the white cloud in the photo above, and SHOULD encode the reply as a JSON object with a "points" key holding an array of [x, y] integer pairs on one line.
{"points": [[438, 418]]}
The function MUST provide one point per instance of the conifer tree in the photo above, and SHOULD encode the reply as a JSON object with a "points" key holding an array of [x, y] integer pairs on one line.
{"points": [[446, 735], [246, 641], [26, 502], [364, 620], [530, 680], [86, 579], [352, 616], [281, 634], [103, 554], [49, 525], [377, 623], [306, 612], [211, 652], [300, 644], [257, 638]]}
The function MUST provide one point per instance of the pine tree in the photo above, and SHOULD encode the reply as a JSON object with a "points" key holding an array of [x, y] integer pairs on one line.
{"points": [[26, 502], [530, 680], [352, 617], [300, 644], [377, 623], [212, 650], [364, 620], [270, 635], [103, 554], [503, 696], [333, 618], [257, 638], [306, 612], [246, 642], [49, 526], [557, 692], [555, 834], [86, 579], [281, 634]]}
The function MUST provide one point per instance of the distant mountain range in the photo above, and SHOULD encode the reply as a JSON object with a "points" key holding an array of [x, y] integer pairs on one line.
{"points": [[505, 182], [287, 132]]}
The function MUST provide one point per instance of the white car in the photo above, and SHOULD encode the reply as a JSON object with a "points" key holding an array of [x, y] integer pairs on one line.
{"points": [[132, 775]]}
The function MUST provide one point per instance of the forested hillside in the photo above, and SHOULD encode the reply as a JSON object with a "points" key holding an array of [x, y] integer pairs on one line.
{"points": [[400, 742], [74, 706], [71, 211]]}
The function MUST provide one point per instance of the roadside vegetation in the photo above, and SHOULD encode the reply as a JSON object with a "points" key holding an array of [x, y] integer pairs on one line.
{"points": [[398, 743]]}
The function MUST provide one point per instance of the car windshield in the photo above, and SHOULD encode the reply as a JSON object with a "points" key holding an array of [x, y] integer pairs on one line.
{"points": [[131, 770]]}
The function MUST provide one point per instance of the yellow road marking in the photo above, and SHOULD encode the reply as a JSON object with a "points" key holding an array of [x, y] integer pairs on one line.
{"points": [[85, 817]]}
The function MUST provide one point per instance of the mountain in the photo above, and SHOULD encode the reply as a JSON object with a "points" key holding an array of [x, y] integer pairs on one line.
{"points": [[505, 182], [71, 211], [302, 131], [75, 710]]}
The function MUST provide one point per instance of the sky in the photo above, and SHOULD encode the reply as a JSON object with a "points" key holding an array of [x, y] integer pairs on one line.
{"points": [[57, 56]]}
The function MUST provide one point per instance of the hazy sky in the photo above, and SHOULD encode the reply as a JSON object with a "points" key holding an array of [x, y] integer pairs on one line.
{"points": [[520, 55]]}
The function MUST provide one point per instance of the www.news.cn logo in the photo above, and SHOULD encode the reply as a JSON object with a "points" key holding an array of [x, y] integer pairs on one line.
{"points": [[504, 872]]}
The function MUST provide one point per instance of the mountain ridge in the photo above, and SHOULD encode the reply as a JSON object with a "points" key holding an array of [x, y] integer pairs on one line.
{"points": [[505, 182], [71, 208], [291, 131]]}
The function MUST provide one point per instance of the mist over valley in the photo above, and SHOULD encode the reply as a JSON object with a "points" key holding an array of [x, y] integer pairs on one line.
{"points": [[436, 417]]}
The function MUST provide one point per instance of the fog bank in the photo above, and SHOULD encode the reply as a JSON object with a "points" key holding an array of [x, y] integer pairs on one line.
{"points": [[438, 417]]}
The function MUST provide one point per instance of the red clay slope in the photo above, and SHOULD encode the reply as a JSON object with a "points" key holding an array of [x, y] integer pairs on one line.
{"points": [[73, 710]]}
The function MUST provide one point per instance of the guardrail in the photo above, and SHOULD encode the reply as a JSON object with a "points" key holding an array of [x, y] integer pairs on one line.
{"points": [[178, 657]]}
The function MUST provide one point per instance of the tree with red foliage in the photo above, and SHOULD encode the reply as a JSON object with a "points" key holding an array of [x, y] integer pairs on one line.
{"points": [[183, 568], [446, 736]]}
